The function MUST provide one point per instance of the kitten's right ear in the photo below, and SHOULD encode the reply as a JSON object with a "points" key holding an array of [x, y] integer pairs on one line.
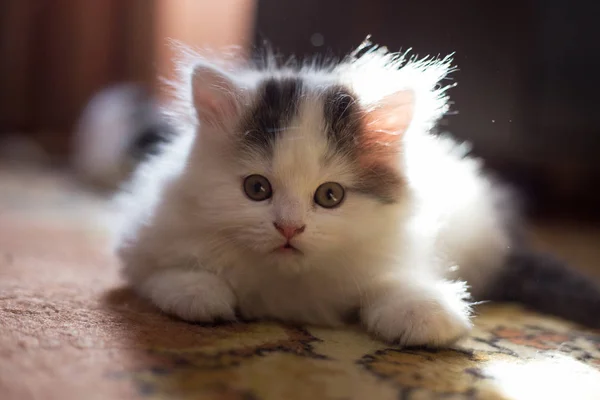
{"points": [[217, 97]]}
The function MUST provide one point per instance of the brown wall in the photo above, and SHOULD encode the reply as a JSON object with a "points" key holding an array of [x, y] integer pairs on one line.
{"points": [[202, 23], [54, 54]]}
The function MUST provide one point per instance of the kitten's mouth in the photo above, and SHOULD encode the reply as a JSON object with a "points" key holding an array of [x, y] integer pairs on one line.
{"points": [[287, 248]]}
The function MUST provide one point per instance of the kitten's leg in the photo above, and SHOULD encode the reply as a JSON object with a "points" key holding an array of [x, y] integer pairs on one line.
{"points": [[197, 296], [417, 312]]}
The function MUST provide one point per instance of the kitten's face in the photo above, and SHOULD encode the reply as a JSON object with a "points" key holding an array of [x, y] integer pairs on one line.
{"points": [[301, 185]]}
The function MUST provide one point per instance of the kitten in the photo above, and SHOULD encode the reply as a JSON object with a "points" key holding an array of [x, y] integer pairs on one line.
{"points": [[119, 128], [315, 193]]}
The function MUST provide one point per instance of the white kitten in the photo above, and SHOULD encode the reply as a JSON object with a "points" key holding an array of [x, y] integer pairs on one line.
{"points": [[311, 194], [119, 127]]}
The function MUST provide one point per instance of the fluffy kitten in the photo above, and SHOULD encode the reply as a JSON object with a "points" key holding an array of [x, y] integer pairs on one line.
{"points": [[311, 194]]}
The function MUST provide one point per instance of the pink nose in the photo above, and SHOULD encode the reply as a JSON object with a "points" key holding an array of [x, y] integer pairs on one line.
{"points": [[289, 231]]}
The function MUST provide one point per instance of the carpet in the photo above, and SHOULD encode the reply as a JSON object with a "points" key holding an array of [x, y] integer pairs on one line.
{"points": [[70, 329]]}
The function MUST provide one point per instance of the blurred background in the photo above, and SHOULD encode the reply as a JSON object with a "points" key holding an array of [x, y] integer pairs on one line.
{"points": [[528, 83]]}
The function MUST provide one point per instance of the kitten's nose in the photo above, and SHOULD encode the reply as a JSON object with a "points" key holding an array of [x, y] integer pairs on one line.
{"points": [[289, 231]]}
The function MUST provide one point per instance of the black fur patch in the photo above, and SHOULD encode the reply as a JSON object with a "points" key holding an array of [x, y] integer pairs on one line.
{"points": [[342, 117], [383, 183], [548, 285], [276, 105]]}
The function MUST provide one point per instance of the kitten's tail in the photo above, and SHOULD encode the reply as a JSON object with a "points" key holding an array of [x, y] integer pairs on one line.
{"points": [[548, 285], [119, 128]]}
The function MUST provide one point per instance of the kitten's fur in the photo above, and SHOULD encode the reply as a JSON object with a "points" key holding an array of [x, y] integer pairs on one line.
{"points": [[418, 219]]}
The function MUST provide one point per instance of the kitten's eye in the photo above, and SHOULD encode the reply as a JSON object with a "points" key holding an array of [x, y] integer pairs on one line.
{"points": [[329, 195], [257, 188]]}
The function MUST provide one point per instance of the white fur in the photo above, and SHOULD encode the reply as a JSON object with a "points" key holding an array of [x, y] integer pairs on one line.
{"points": [[103, 135], [194, 244]]}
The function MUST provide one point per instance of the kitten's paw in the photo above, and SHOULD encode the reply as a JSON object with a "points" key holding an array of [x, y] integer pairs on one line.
{"points": [[425, 321], [191, 295]]}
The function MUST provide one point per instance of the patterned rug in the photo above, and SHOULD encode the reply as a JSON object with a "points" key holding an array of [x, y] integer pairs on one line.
{"points": [[70, 329]]}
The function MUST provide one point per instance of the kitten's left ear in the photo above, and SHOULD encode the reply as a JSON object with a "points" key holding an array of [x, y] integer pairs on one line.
{"points": [[392, 114], [218, 98]]}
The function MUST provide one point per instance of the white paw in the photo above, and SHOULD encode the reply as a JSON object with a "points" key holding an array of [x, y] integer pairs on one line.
{"points": [[191, 295], [425, 321]]}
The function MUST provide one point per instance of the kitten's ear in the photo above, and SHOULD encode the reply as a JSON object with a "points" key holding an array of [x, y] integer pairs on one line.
{"points": [[392, 114], [217, 97]]}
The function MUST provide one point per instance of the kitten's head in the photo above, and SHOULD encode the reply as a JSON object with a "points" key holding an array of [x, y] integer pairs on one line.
{"points": [[304, 166]]}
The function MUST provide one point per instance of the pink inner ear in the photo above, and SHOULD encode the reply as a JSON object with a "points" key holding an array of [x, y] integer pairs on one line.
{"points": [[213, 109], [385, 126], [215, 96], [393, 114]]}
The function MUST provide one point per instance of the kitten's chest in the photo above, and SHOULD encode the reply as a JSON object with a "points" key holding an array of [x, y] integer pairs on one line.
{"points": [[301, 299]]}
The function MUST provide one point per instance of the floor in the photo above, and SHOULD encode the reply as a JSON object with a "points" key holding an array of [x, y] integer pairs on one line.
{"points": [[70, 329]]}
